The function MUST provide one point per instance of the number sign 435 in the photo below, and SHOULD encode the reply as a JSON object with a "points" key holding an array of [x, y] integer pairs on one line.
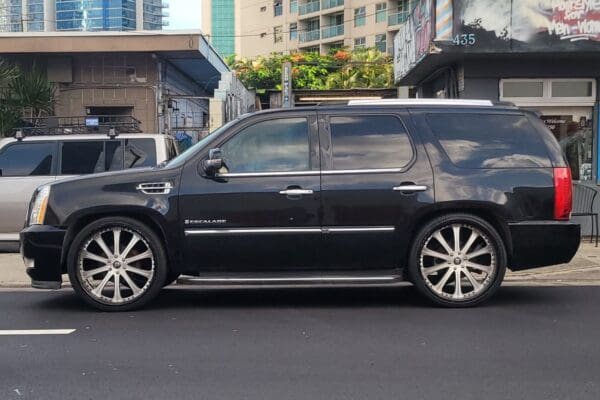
{"points": [[465, 39]]}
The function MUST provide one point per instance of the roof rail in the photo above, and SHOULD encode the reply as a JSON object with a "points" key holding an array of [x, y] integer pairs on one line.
{"points": [[421, 102]]}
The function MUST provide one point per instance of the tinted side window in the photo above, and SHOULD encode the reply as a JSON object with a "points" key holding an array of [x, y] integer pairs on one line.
{"points": [[279, 145], [27, 159], [80, 158], [489, 140], [140, 153], [369, 142]]}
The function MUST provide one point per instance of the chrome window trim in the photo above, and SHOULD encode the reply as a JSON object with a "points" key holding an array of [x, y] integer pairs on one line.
{"points": [[361, 171], [310, 173], [267, 174], [325, 229]]}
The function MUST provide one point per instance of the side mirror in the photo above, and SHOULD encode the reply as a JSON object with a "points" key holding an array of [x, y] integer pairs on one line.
{"points": [[214, 162]]}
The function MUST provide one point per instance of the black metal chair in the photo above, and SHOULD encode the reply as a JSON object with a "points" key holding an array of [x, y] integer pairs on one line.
{"points": [[583, 206]]}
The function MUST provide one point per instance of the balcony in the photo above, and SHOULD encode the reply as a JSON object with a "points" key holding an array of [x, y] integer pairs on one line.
{"points": [[308, 8], [398, 18], [332, 3], [309, 36], [332, 31]]}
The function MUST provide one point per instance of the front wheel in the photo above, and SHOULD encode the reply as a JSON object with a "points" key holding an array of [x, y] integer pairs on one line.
{"points": [[117, 264], [458, 260]]}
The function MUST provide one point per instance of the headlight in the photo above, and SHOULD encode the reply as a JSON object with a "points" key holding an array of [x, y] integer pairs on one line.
{"points": [[39, 206]]}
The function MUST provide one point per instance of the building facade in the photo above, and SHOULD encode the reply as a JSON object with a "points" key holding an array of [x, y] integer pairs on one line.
{"points": [[540, 55], [81, 15], [261, 27], [169, 82]]}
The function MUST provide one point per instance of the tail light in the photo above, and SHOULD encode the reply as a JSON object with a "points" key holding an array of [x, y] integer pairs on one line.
{"points": [[563, 193]]}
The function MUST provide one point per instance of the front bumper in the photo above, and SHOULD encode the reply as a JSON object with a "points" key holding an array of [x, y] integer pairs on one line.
{"points": [[542, 243], [41, 249]]}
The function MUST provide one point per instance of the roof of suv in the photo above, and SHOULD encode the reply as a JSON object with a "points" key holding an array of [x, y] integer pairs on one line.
{"points": [[401, 103]]}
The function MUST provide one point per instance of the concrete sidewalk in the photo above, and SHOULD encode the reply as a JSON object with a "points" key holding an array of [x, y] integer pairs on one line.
{"points": [[583, 270]]}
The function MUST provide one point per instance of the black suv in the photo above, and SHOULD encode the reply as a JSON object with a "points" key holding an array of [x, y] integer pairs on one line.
{"points": [[444, 194]]}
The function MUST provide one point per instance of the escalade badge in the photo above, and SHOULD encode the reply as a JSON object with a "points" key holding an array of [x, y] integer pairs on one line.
{"points": [[204, 221]]}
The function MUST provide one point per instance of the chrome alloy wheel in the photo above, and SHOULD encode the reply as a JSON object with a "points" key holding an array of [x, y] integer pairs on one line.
{"points": [[458, 262], [116, 266]]}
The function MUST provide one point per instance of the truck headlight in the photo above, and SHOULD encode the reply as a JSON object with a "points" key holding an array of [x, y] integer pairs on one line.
{"points": [[39, 206]]}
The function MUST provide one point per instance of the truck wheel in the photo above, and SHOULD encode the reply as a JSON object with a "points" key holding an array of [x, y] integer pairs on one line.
{"points": [[117, 264], [457, 260]]}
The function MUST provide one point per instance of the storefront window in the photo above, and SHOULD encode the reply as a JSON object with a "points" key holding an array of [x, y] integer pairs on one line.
{"points": [[523, 89], [575, 136], [571, 89], [566, 107]]}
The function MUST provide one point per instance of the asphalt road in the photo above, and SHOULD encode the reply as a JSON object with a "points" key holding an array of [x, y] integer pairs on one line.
{"points": [[365, 343]]}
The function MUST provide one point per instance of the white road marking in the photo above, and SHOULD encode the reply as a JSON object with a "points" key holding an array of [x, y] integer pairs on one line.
{"points": [[22, 332]]}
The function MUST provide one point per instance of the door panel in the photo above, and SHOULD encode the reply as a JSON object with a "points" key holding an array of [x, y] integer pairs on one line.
{"points": [[375, 179], [15, 193], [23, 167], [263, 212]]}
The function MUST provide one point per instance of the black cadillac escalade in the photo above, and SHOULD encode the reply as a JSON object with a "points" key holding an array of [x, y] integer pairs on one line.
{"points": [[444, 194]]}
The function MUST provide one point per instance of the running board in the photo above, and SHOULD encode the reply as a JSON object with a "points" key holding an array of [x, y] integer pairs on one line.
{"points": [[294, 279]]}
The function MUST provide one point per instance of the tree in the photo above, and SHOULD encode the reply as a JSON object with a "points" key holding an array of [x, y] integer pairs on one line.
{"points": [[23, 93], [7, 72], [8, 117], [341, 69], [366, 68]]}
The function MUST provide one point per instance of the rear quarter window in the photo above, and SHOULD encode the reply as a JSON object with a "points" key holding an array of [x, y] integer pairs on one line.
{"points": [[489, 140]]}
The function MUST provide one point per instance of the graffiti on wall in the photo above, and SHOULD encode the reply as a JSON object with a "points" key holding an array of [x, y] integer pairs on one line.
{"points": [[575, 20], [412, 42], [498, 26], [528, 25]]}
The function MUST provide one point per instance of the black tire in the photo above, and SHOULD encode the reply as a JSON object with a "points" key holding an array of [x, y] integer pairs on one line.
{"points": [[156, 263], [429, 287]]}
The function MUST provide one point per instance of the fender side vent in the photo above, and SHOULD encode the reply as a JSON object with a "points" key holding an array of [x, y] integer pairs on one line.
{"points": [[155, 188]]}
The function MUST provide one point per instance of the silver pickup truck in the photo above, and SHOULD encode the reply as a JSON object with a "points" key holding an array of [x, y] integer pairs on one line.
{"points": [[33, 161]]}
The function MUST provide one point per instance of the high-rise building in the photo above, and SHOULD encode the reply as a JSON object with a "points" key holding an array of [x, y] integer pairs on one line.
{"points": [[249, 28], [219, 18], [81, 15]]}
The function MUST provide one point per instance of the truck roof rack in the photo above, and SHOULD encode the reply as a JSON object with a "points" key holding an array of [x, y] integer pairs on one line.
{"points": [[110, 125], [422, 102]]}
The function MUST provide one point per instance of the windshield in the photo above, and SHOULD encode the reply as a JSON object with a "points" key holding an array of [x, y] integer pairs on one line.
{"points": [[189, 153]]}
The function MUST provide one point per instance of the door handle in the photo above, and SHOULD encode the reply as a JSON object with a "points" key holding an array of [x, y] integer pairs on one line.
{"points": [[410, 188], [296, 192]]}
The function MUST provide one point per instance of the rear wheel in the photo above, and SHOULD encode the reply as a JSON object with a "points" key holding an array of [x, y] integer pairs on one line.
{"points": [[458, 260], [117, 264]]}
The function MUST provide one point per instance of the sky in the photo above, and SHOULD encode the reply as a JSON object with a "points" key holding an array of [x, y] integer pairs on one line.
{"points": [[185, 14]]}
